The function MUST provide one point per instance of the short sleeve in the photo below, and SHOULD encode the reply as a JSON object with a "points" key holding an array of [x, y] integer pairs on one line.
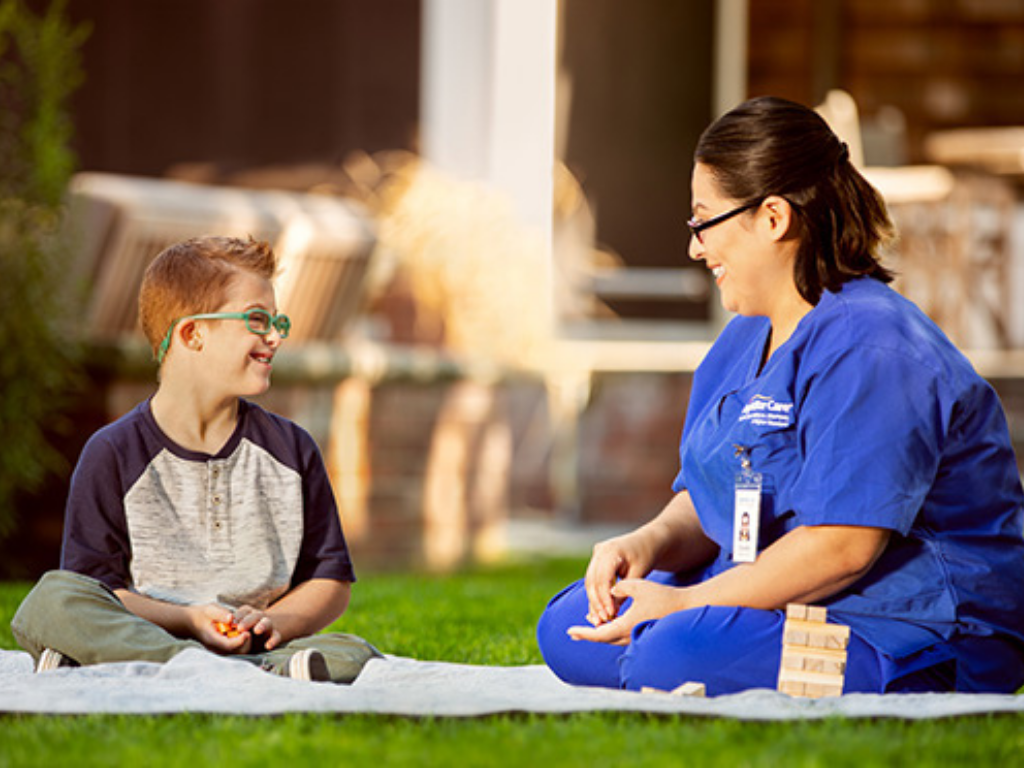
{"points": [[95, 530], [870, 428], [324, 553]]}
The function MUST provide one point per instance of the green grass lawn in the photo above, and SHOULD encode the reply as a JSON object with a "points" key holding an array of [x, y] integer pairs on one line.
{"points": [[483, 617]]}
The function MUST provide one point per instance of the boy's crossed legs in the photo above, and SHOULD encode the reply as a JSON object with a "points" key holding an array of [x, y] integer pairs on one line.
{"points": [[82, 619]]}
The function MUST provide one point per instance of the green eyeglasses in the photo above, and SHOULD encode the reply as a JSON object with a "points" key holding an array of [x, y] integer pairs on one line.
{"points": [[258, 321]]}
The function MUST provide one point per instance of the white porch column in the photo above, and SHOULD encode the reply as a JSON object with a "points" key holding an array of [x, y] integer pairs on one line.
{"points": [[488, 98], [732, 22]]}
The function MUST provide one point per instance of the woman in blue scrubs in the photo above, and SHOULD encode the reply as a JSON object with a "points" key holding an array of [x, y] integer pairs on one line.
{"points": [[837, 451]]}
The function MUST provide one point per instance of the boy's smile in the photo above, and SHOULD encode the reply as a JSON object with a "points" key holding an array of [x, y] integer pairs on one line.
{"points": [[235, 358], [263, 357]]}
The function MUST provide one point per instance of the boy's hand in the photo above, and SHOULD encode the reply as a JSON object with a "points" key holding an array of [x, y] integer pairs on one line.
{"points": [[259, 624], [228, 629], [215, 627]]}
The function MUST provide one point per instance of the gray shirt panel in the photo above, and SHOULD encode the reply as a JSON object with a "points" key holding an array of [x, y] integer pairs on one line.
{"points": [[224, 531]]}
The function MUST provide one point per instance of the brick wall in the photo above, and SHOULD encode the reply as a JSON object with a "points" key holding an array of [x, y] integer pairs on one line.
{"points": [[421, 471], [628, 445]]}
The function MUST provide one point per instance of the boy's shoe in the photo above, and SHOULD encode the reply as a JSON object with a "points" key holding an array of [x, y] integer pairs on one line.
{"points": [[308, 664], [50, 659]]}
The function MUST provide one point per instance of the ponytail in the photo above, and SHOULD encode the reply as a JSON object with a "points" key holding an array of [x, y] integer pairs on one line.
{"points": [[770, 146]]}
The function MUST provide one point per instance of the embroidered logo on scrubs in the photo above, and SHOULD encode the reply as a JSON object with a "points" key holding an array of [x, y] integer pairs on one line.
{"points": [[764, 411]]}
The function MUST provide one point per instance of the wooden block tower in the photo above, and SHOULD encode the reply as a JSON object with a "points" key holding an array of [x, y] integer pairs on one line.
{"points": [[813, 653]]}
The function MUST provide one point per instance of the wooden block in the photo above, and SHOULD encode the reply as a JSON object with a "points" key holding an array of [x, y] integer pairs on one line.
{"points": [[686, 689], [792, 687], [817, 613], [815, 634], [815, 653], [796, 611], [691, 689], [834, 667], [839, 637], [793, 661], [794, 635], [807, 677], [818, 691]]}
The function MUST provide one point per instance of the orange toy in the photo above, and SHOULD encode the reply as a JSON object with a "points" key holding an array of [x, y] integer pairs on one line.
{"points": [[228, 629]]}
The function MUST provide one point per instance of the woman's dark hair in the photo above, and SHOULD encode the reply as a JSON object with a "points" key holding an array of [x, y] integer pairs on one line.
{"points": [[770, 146]]}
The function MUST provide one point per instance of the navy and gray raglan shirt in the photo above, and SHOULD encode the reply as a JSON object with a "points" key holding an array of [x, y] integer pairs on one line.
{"points": [[239, 527]]}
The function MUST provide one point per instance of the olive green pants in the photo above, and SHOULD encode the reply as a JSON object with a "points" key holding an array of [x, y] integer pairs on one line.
{"points": [[86, 622]]}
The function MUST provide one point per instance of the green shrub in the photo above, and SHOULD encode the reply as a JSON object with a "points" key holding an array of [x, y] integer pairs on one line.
{"points": [[39, 69]]}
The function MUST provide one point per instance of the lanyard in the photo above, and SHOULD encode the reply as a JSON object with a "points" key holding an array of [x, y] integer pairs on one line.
{"points": [[746, 509]]}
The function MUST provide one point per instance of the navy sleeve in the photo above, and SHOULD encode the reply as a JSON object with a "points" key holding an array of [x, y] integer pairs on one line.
{"points": [[324, 553], [95, 531]]}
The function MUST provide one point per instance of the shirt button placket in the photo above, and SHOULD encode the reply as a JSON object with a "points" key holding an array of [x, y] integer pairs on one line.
{"points": [[217, 506]]}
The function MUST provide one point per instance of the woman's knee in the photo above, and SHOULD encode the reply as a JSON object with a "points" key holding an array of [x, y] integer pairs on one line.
{"points": [[728, 649], [575, 662], [562, 611], [566, 609]]}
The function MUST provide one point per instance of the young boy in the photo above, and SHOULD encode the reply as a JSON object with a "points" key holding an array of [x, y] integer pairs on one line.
{"points": [[200, 520]]}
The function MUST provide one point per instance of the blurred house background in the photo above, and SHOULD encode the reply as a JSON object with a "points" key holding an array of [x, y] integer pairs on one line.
{"points": [[481, 207]]}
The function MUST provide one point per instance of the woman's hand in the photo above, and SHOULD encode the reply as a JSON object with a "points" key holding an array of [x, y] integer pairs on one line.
{"points": [[624, 557], [673, 541], [649, 601]]}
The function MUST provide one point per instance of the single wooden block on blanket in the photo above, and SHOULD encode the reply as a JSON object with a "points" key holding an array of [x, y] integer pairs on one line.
{"points": [[686, 689], [813, 661], [691, 689]]}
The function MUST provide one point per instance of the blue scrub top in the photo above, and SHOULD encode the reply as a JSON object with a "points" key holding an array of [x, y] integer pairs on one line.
{"points": [[868, 416]]}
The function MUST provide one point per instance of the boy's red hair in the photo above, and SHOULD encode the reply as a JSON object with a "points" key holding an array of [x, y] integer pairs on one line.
{"points": [[192, 277]]}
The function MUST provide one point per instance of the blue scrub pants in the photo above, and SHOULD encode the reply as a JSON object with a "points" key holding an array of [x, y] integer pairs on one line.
{"points": [[728, 649]]}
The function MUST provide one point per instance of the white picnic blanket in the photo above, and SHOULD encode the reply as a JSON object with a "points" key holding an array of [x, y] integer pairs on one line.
{"points": [[196, 681]]}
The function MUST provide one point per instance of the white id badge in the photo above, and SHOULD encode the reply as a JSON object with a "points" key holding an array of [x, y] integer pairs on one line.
{"points": [[746, 517]]}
